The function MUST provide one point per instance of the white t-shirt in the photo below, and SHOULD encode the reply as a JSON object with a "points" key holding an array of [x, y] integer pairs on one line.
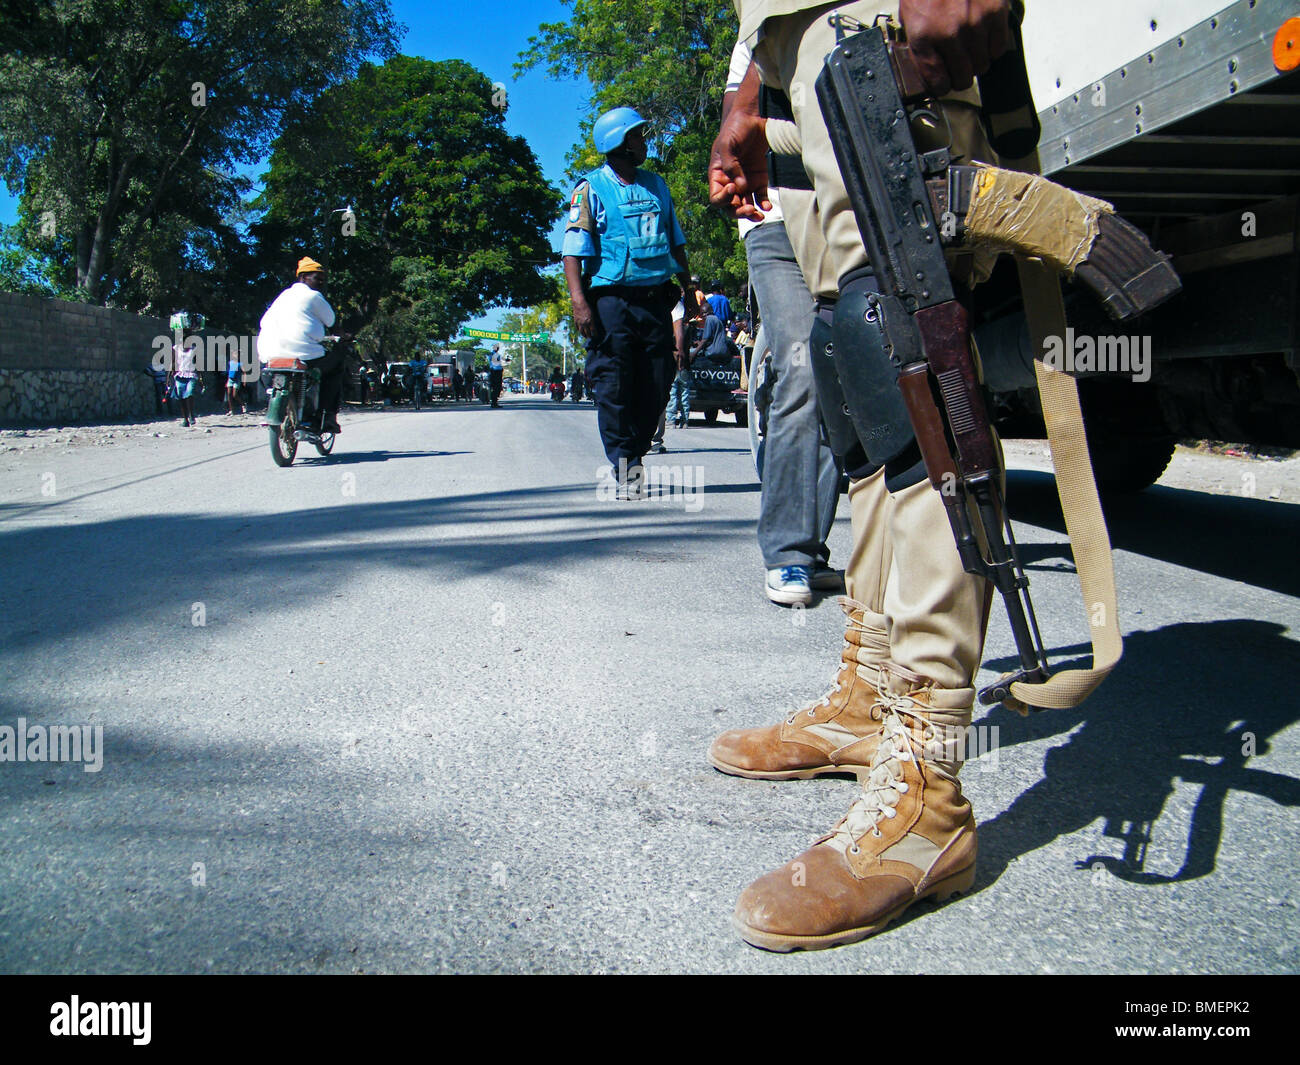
{"points": [[184, 361], [294, 325], [741, 56]]}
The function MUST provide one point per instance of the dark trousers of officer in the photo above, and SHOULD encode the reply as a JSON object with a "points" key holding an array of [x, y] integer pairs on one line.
{"points": [[630, 366], [495, 378]]}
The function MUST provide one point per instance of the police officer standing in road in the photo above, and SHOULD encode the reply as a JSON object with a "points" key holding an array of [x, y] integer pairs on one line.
{"points": [[496, 375], [622, 246]]}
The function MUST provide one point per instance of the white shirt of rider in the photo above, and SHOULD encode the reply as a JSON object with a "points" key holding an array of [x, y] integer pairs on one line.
{"points": [[294, 325]]}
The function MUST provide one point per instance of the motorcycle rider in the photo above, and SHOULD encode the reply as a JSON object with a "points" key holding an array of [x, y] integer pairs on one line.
{"points": [[293, 328]]}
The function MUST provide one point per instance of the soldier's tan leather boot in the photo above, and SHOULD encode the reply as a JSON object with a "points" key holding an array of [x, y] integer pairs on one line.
{"points": [[835, 733], [910, 835]]}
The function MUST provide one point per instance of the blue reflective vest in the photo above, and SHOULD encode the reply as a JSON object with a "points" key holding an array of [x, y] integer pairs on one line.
{"points": [[634, 248]]}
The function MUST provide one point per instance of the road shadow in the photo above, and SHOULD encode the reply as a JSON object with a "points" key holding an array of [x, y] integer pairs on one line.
{"points": [[1246, 540], [231, 558], [1194, 702], [348, 458]]}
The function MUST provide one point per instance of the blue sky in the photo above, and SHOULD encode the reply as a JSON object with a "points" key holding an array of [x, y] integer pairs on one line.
{"points": [[542, 111]]}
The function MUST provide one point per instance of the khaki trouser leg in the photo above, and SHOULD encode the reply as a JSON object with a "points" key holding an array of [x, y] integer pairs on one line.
{"points": [[936, 611], [869, 562]]}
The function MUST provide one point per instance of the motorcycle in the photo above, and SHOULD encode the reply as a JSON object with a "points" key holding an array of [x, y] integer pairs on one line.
{"points": [[557, 391], [293, 396]]}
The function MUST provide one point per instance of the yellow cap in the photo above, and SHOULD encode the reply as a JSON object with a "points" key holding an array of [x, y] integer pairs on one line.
{"points": [[308, 265]]}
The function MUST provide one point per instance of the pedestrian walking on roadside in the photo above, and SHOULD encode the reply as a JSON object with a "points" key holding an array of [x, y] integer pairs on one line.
{"points": [[234, 389], [158, 375], [185, 378]]}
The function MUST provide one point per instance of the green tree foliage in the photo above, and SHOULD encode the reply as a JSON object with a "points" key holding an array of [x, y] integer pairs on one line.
{"points": [[542, 355], [449, 213], [122, 125], [668, 59]]}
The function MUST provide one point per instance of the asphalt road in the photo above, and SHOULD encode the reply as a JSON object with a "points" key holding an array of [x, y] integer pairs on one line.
{"points": [[435, 704]]}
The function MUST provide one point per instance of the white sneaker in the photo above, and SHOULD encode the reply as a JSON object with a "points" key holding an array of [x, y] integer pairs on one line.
{"points": [[788, 585]]}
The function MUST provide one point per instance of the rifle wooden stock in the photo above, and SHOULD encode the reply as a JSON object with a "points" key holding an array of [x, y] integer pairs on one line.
{"points": [[945, 338], [927, 425]]}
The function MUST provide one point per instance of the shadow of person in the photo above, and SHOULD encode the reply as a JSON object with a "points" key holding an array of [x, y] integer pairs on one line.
{"points": [[1192, 702], [1258, 530]]}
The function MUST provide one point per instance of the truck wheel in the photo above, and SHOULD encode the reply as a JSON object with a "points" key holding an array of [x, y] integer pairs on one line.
{"points": [[1126, 464], [711, 416], [1128, 440], [742, 417]]}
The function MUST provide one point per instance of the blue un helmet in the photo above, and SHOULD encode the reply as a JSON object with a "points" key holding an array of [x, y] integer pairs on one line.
{"points": [[613, 127]]}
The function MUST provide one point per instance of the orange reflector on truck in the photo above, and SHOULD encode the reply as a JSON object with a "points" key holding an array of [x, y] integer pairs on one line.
{"points": [[1286, 45]]}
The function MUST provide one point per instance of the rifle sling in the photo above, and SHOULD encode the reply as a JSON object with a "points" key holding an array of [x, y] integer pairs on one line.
{"points": [[1085, 524]]}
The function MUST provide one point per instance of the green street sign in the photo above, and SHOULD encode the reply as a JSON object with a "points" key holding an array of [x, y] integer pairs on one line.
{"points": [[514, 338]]}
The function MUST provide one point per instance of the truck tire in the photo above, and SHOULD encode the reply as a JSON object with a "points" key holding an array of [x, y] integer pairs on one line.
{"points": [[711, 416], [1128, 440], [742, 417], [1126, 464]]}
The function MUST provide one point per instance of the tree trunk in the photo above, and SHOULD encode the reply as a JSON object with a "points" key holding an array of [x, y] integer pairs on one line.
{"points": [[91, 279]]}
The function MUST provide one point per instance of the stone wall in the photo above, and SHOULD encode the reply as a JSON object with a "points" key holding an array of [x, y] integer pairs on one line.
{"points": [[66, 362]]}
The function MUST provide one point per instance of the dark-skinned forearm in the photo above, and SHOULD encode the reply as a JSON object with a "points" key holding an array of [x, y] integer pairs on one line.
{"points": [[573, 275]]}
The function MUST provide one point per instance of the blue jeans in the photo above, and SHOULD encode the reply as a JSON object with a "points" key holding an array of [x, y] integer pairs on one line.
{"points": [[679, 397], [801, 479]]}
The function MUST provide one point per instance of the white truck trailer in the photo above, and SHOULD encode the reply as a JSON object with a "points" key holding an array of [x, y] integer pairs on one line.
{"points": [[1186, 115]]}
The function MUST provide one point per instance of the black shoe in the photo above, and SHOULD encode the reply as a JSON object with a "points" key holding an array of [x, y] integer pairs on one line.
{"points": [[331, 425]]}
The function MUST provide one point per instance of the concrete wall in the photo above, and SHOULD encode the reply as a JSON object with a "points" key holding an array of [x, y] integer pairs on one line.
{"points": [[70, 362]]}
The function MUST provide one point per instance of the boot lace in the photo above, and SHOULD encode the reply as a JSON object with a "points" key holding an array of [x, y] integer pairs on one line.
{"points": [[812, 707], [883, 785], [836, 686]]}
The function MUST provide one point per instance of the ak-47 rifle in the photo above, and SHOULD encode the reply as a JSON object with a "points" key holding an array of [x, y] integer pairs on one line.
{"points": [[910, 204]]}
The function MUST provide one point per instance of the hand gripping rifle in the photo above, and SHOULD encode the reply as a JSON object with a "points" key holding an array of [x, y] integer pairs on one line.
{"points": [[910, 204]]}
